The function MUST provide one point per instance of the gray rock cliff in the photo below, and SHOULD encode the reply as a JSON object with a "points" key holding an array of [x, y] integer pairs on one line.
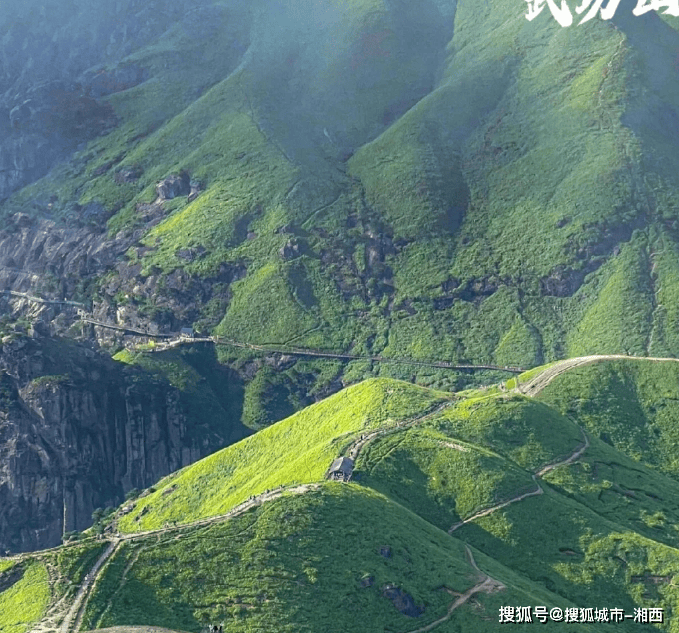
{"points": [[77, 440]]}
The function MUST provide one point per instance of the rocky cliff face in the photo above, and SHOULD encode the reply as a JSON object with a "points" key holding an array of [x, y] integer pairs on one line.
{"points": [[78, 430], [57, 261]]}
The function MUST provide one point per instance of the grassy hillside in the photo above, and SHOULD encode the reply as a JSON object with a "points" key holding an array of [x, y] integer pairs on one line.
{"points": [[430, 180], [299, 449], [472, 456], [25, 601], [493, 500], [588, 560], [629, 405], [305, 563]]}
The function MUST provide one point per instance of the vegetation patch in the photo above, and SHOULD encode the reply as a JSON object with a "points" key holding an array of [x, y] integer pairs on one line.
{"points": [[26, 601], [442, 479]]}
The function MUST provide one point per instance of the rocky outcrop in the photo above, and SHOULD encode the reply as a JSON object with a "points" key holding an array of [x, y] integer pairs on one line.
{"points": [[289, 250], [78, 430], [126, 174], [562, 282], [57, 262], [54, 262], [174, 186], [403, 601], [40, 247]]}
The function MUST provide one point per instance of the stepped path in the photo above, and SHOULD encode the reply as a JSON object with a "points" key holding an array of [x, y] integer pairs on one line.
{"points": [[355, 448], [78, 607], [34, 299], [241, 508], [499, 506]]}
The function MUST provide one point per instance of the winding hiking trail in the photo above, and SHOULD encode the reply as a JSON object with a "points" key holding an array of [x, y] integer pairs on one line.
{"points": [[355, 448], [539, 490], [241, 508], [73, 618], [499, 506], [545, 469], [486, 585]]}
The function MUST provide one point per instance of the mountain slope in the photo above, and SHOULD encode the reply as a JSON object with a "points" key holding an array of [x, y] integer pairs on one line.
{"points": [[296, 450], [276, 569], [450, 182], [452, 513]]}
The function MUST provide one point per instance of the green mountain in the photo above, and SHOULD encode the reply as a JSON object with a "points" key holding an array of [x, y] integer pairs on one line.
{"points": [[434, 181], [330, 228], [459, 504]]}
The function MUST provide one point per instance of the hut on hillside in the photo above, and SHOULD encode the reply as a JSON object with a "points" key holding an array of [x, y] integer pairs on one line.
{"points": [[341, 469]]}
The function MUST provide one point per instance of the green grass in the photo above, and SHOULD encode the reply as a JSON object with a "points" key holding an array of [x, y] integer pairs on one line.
{"points": [[628, 404], [26, 601], [437, 189], [620, 489], [6, 564], [626, 293], [169, 364], [298, 449], [255, 320], [588, 560], [425, 471], [299, 564], [527, 433]]}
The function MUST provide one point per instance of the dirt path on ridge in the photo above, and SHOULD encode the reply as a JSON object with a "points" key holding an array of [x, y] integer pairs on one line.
{"points": [[569, 460], [355, 448], [536, 384]]}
